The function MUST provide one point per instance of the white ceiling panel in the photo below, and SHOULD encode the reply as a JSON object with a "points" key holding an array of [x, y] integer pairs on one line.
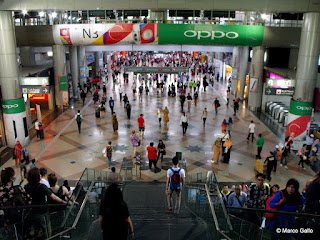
{"points": [[171, 4], [289, 5], [143, 4], [34, 4], [83, 4], [114, 4], [199, 4], [62, 4]]}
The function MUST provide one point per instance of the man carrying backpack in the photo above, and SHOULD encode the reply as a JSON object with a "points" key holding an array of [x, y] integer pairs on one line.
{"points": [[78, 118], [175, 178]]}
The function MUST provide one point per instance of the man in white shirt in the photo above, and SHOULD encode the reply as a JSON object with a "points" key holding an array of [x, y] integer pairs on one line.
{"points": [[36, 127], [251, 131], [43, 180], [175, 180], [184, 121], [78, 118]]}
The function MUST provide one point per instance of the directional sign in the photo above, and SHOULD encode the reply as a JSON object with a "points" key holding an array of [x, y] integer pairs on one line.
{"points": [[279, 91], [35, 89]]}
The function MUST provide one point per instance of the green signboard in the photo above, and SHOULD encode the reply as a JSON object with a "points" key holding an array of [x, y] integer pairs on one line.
{"points": [[13, 106], [63, 83], [301, 108], [205, 34]]}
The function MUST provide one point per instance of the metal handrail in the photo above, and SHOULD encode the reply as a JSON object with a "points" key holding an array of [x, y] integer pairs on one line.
{"points": [[77, 217]]}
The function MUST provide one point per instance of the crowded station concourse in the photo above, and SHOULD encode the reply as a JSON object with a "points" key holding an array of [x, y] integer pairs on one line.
{"points": [[130, 137]]}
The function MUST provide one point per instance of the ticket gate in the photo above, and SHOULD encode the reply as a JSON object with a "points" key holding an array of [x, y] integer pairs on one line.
{"points": [[282, 114], [277, 111]]}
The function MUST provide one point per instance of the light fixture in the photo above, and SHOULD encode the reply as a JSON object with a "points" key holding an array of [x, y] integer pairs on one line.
{"points": [[252, 18], [50, 54], [24, 12], [54, 15], [41, 14], [264, 16]]}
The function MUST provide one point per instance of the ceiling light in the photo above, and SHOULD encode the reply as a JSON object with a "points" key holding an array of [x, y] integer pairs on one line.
{"points": [[41, 14], [50, 54], [54, 14], [264, 16], [24, 12], [252, 18]]}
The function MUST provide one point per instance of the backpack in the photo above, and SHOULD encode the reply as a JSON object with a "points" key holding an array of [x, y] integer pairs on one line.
{"points": [[270, 216], [109, 151], [78, 119], [175, 180]]}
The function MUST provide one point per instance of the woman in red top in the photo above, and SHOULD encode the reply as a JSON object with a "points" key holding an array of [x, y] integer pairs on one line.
{"points": [[224, 125], [152, 156], [17, 152]]}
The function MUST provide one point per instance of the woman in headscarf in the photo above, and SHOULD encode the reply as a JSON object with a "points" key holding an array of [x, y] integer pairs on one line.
{"points": [[114, 122], [95, 96], [216, 150], [17, 152], [224, 125], [226, 154], [165, 116], [314, 151], [286, 200]]}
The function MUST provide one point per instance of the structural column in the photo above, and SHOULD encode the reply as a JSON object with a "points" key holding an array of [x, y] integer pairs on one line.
{"points": [[98, 57], [82, 64], [243, 69], [59, 64], [302, 103], [235, 69], [27, 56], [256, 79], [158, 16], [14, 111], [74, 70]]}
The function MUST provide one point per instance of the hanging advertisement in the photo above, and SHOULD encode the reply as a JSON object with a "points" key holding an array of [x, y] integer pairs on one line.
{"points": [[83, 72], [254, 85], [105, 34], [298, 119], [234, 73], [205, 34], [63, 83]]}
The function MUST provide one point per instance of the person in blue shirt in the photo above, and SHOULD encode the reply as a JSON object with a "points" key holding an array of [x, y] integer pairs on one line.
{"points": [[286, 200], [237, 199]]}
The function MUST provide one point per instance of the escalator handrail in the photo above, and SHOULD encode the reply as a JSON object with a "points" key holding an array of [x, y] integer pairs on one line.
{"points": [[78, 215]]}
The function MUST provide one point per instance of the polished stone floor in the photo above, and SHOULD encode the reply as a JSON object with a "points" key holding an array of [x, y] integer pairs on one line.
{"points": [[67, 153]]}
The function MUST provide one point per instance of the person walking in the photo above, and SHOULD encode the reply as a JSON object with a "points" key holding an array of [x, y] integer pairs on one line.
{"points": [[204, 117], [135, 142], [175, 181], [114, 122], [111, 104], [160, 115], [152, 156], [314, 151], [18, 152], [184, 121], [37, 128], [141, 125], [161, 150], [134, 89], [270, 164], [228, 96], [227, 150], [216, 104], [120, 92], [182, 100], [125, 100], [189, 99], [284, 155], [230, 124], [128, 108], [260, 143], [83, 96], [79, 118], [235, 107], [195, 97], [108, 153], [216, 150], [95, 96], [140, 93], [302, 154], [251, 131], [277, 157], [165, 116], [224, 125]]}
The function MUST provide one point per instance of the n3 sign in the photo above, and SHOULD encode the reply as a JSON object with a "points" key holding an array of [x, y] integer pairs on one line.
{"points": [[212, 34]]}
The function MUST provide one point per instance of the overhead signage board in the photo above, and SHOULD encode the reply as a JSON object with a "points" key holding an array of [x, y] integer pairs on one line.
{"points": [[205, 34], [280, 83], [156, 69], [35, 90], [279, 91], [34, 81]]}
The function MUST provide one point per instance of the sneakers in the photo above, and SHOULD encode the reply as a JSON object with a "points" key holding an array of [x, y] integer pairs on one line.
{"points": [[281, 165], [286, 167]]}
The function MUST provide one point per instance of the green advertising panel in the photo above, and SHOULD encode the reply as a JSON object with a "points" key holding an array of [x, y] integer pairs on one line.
{"points": [[63, 83], [205, 34], [13, 106], [301, 108]]}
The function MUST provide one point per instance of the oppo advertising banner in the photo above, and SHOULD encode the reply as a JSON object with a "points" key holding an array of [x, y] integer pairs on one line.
{"points": [[13, 106], [204, 34], [105, 34], [151, 33]]}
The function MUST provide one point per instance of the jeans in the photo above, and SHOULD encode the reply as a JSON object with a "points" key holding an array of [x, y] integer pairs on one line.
{"points": [[152, 161], [38, 133], [204, 121], [178, 199], [252, 135], [259, 152], [109, 159], [286, 159], [184, 127], [234, 110], [160, 154], [216, 109], [79, 126]]}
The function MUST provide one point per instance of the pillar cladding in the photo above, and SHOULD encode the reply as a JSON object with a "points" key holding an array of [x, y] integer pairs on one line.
{"points": [[98, 60], [82, 64], [59, 64], [27, 56], [158, 16], [256, 79], [74, 70], [302, 102], [235, 68], [14, 112], [243, 69]]}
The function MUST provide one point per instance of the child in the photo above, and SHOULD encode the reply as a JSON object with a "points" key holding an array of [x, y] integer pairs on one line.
{"points": [[32, 165]]}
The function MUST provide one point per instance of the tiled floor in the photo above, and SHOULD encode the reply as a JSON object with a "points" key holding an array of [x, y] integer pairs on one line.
{"points": [[67, 153]]}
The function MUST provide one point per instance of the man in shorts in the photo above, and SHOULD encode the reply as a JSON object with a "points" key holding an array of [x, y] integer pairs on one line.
{"points": [[141, 125]]}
